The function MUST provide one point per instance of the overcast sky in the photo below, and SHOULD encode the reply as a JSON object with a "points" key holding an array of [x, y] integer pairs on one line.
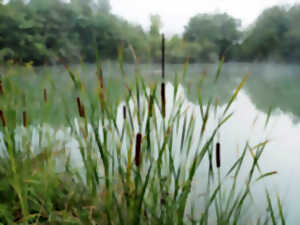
{"points": [[175, 14]]}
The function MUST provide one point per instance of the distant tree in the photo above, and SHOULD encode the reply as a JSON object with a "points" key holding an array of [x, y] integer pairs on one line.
{"points": [[220, 30], [291, 45], [44, 31], [266, 38]]}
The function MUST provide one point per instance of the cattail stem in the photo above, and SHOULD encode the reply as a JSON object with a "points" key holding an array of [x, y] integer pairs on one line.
{"points": [[210, 164], [163, 99], [163, 56], [150, 107], [45, 95], [2, 117], [80, 108], [218, 155], [124, 112], [24, 119], [138, 149]]}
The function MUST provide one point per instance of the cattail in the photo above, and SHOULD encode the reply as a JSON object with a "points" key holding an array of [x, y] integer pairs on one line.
{"points": [[78, 104], [1, 88], [24, 119], [163, 99], [101, 87], [218, 155], [2, 117], [138, 145], [45, 95], [163, 56], [124, 112], [100, 78], [80, 108]]}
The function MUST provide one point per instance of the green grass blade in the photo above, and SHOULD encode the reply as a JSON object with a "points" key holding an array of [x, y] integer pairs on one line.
{"points": [[270, 207], [245, 78], [219, 70], [280, 210], [266, 175]]}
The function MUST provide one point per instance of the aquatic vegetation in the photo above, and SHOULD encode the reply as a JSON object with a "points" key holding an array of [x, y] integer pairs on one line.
{"points": [[152, 157]]}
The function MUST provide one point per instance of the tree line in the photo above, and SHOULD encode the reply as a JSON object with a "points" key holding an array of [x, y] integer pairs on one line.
{"points": [[50, 32]]}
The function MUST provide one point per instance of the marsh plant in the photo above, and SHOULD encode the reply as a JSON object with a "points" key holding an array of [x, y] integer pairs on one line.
{"points": [[149, 158]]}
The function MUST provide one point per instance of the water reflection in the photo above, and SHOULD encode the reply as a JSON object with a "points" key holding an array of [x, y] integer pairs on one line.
{"points": [[282, 153], [268, 85]]}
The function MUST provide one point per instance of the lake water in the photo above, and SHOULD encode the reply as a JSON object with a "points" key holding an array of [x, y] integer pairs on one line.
{"points": [[270, 87]]}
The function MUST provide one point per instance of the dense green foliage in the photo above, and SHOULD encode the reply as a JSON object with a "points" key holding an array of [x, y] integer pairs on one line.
{"points": [[275, 36], [48, 32], [215, 33]]}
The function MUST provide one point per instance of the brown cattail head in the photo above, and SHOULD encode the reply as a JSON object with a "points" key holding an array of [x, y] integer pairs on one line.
{"points": [[124, 112], [80, 108], [2, 117], [78, 104], [100, 78], [24, 119], [1, 88], [138, 146], [45, 95], [163, 99], [218, 155], [101, 87]]}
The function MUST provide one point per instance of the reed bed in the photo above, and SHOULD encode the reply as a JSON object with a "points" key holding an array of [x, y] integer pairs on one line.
{"points": [[138, 159]]}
